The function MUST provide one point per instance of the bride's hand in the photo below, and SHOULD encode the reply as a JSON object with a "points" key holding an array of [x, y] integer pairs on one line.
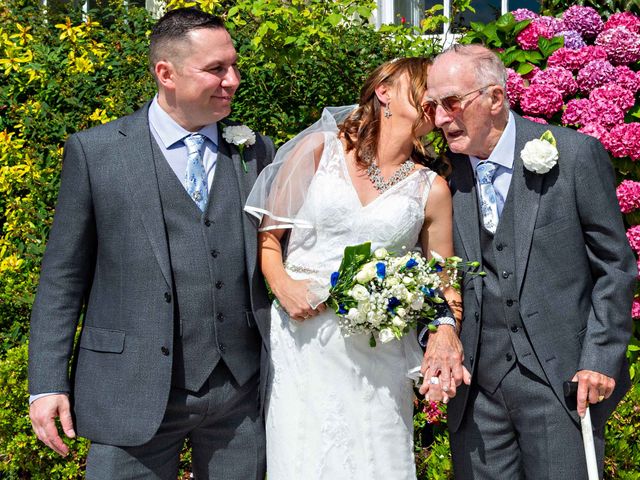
{"points": [[293, 298]]}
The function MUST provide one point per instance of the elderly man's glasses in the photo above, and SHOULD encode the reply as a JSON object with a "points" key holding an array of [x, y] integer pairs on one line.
{"points": [[453, 103]]}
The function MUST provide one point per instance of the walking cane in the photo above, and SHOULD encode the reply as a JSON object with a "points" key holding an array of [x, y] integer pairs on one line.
{"points": [[571, 391]]}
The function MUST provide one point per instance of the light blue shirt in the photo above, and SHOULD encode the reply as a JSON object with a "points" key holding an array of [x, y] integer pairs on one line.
{"points": [[502, 155], [168, 135]]}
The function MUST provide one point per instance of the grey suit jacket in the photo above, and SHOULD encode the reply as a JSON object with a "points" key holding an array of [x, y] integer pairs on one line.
{"points": [[107, 257], [574, 268]]}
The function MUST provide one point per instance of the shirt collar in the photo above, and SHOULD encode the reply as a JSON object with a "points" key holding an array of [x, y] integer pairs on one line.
{"points": [[170, 132], [503, 152]]}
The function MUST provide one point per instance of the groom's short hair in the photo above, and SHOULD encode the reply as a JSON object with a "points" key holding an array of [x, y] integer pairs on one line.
{"points": [[171, 31]]}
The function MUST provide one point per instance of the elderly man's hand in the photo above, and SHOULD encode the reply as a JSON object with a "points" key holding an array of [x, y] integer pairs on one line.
{"points": [[442, 365], [593, 387]]}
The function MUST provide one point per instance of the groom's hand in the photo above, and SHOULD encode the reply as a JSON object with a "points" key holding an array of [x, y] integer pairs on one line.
{"points": [[443, 361], [43, 413]]}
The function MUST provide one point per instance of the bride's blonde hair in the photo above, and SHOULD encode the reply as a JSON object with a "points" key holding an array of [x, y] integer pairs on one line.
{"points": [[362, 128]]}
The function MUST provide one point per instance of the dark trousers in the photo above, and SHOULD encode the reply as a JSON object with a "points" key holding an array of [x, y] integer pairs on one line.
{"points": [[222, 422], [521, 431]]}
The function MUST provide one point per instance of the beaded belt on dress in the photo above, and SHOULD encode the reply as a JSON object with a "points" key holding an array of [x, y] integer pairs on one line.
{"points": [[299, 268]]}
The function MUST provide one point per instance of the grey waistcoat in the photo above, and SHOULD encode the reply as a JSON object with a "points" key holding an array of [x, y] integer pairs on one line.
{"points": [[503, 339], [213, 318]]}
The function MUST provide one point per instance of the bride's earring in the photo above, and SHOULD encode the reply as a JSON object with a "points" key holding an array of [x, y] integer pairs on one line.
{"points": [[387, 110]]}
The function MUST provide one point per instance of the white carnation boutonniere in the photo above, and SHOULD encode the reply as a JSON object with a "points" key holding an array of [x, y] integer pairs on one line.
{"points": [[240, 136], [540, 155]]}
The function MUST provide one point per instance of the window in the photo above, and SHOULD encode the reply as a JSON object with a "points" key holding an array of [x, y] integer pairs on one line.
{"points": [[412, 11]]}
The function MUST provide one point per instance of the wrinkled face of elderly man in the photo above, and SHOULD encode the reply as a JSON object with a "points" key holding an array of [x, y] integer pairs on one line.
{"points": [[470, 110]]}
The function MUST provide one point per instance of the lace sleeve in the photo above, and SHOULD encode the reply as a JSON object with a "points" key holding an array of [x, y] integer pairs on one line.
{"points": [[280, 191]]}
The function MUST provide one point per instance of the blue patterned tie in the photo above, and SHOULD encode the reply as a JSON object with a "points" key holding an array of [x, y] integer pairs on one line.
{"points": [[488, 200], [196, 177]]}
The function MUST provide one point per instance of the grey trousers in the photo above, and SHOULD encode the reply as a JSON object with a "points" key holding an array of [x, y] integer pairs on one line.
{"points": [[521, 431], [222, 423]]}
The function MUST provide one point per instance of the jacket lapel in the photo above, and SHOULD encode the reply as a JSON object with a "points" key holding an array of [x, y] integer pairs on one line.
{"points": [[465, 213], [230, 153], [526, 188], [137, 157]]}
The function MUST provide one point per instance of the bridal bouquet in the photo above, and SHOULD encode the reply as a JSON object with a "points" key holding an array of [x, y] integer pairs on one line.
{"points": [[385, 296]]}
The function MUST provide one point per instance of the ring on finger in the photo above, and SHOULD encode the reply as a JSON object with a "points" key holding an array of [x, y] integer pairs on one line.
{"points": [[600, 398], [434, 380]]}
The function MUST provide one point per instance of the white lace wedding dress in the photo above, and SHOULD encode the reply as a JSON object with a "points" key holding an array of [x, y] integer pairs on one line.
{"points": [[338, 408]]}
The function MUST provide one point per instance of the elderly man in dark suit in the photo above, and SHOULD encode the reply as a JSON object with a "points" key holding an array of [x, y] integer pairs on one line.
{"points": [[539, 210], [149, 241]]}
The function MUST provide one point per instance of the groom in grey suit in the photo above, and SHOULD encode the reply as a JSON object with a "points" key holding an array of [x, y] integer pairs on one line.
{"points": [[555, 302], [163, 274]]}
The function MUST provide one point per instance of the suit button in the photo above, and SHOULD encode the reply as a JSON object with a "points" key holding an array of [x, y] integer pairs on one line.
{"points": [[505, 274], [165, 351], [207, 222], [214, 253], [220, 317], [221, 347], [477, 316], [514, 328], [499, 247], [167, 297], [509, 302], [509, 357], [219, 284]]}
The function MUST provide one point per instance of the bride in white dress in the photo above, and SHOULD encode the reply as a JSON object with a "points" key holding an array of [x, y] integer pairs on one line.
{"points": [[338, 408]]}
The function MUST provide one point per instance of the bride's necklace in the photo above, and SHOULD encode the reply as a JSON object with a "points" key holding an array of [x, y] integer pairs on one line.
{"points": [[375, 175]]}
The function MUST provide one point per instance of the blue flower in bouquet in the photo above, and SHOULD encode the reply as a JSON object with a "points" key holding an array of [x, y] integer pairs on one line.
{"points": [[392, 304], [411, 263], [381, 270], [334, 278]]}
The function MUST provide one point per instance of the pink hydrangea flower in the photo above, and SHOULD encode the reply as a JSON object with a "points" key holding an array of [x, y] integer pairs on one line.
{"points": [[595, 130], [558, 77], [521, 14], [635, 308], [627, 78], [584, 20], [624, 19], [527, 39], [628, 193], [595, 74], [536, 119], [624, 141], [622, 45], [613, 93], [572, 39], [603, 112], [576, 59], [574, 110], [633, 235], [515, 87], [541, 99], [552, 24]]}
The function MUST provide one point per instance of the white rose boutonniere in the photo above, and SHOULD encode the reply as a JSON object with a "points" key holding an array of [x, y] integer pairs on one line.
{"points": [[540, 155], [240, 136]]}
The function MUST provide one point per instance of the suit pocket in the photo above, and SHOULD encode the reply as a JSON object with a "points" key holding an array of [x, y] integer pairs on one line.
{"points": [[102, 340]]}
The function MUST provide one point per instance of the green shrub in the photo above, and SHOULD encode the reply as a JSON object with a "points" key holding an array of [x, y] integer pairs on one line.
{"points": [[21, 451], [622, 453]]}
